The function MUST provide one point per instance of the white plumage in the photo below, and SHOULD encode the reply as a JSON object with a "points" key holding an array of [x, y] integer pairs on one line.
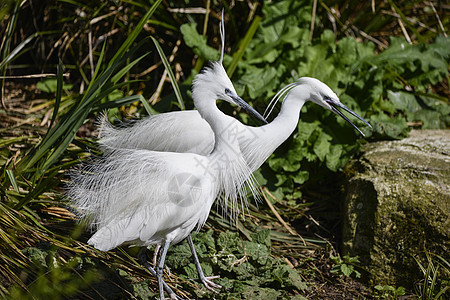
{"points": [[260, 142], [131, 177], [136, 195], [145, 197], [237, 145], [251, 145], [159, 178]]}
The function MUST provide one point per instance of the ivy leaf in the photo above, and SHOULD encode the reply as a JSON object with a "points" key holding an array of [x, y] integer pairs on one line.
{"points": [[198, 42], [322, 145], [403, 101], [301, 177], [334, 159], [346, 269], [258, 80], [261, 237], [49, 85]]}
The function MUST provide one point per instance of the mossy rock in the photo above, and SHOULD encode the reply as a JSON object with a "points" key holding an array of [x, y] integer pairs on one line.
{"points": [[397, 206]]}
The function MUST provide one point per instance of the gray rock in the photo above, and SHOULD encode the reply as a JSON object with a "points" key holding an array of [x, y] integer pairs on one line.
{"points": [[397, 205]]}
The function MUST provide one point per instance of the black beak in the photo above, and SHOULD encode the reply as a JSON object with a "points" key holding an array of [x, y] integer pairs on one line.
{"points": [[238, 100], [334, 108]]}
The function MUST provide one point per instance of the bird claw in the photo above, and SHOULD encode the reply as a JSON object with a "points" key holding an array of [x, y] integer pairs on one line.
{"points": [[209, 284]]}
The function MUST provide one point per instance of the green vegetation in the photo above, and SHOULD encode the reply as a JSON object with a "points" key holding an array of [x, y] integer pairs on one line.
{"points": [[389, 63], [432, 286], [388, 292], [345, 265]]}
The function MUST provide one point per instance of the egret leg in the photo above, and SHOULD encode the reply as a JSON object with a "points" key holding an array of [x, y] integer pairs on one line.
{"points": [[160, 268], [143, 260], [205, 280], [155, 254]]}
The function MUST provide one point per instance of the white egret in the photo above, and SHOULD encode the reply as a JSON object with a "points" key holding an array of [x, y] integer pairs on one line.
{"points": [[255, 144], [221, 137], [145, 197]]}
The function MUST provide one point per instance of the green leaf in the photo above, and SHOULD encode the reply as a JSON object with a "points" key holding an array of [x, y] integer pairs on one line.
{"points": [[278, 164], [16, 51], [120, 101], [394, 128], [259, 80], [296, 280], [59, 87], [346, 269], [259, 253], [431, 119], [115, 94], [403, 101], [301, 177], [198, 42], [50, 85], [126, 69], [322, 145], [335, 158], [261, 237], [229, 242]]}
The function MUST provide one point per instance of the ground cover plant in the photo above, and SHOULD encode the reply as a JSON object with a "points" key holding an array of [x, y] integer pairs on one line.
{"points": [[64, 62]]}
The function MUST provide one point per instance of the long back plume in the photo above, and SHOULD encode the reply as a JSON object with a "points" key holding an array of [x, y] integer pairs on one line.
{"points": [[222, 37]]}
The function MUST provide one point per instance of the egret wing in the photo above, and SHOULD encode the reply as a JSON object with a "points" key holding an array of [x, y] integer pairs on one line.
{"points": [[181, 131]]}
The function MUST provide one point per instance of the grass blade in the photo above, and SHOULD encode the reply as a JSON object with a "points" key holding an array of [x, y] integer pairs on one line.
{"points": [[17, 50], [10, 31], [12, 179], [243, 45], [148, 108], [59, 86], [62, 134], [175, 86], [97, 68], [127, 68]]}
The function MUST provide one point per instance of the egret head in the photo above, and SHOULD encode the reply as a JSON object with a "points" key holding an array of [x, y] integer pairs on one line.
{"points": [[321, 94], [214, 82]]}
